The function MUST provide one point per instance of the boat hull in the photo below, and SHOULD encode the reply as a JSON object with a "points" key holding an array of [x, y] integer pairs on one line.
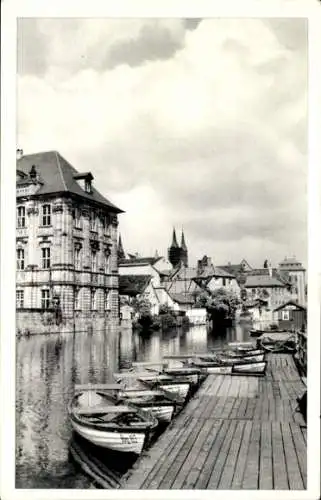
{"points": [[162, 413], [180, 389], [128, 442], [255, 368], [244, 359]]}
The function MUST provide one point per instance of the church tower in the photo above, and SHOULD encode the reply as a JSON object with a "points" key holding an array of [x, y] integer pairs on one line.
{"points": [[174, 252], [184, 252], [120, 250]]}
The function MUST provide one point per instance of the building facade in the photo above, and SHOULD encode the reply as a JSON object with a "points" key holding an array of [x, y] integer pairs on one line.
{"points": [[66, 244], [294, 271]]}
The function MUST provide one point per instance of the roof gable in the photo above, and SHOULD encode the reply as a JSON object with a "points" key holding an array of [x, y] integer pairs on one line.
{"points": [[133, 284], [57, 175], [290, 303]]}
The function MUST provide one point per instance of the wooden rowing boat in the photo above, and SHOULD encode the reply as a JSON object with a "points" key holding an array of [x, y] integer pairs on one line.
{"points": [[226, 369], [104, 421], [242, 359], [177, 385]]}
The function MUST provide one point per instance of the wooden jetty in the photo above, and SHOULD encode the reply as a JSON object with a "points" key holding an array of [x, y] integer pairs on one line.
{"points": [[235, 433]]}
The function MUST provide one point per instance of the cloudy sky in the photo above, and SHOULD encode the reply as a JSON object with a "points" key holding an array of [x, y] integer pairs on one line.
{"points": [[200, 124]]}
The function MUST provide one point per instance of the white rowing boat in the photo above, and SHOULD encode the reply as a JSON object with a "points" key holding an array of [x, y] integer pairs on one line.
{"points": [[96, 417]]}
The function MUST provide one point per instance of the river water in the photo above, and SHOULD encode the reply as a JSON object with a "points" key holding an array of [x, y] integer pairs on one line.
{"points": [[48, 368]]}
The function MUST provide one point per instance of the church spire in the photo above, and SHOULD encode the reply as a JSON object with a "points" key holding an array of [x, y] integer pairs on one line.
{"points": [[184, 252], [174, 240], [174, 251], [183, 244], [120, 249]]}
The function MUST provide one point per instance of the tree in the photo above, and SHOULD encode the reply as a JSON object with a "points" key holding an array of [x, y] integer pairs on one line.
{"points": [[142, 309], [221, 304]]}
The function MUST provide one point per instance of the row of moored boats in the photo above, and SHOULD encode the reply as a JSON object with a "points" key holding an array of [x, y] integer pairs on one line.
{"points": [[124, 416]]}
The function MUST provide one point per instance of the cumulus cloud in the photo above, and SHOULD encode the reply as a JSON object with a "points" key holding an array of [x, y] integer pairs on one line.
{"points": [[200, 123]]}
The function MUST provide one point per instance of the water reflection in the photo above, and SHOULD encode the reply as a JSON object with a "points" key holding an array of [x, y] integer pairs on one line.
{"points": [[47, 369]]}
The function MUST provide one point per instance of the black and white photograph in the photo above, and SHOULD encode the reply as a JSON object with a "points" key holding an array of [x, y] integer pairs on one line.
{"points": [[162, 254]]}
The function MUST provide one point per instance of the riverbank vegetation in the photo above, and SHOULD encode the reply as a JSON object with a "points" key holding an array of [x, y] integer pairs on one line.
{"points": [[221, 304], [165, 320]]}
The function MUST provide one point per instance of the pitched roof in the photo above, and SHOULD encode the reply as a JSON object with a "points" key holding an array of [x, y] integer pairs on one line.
{"points": [[262, 281], [139, 261], [290, 303], [133, 284], [232, 269], [182, 298], [57, 175]]}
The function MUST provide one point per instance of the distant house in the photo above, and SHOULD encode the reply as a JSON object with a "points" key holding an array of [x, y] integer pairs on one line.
{"points": [[140, 266], [182, 286], [268, 288], [290, 315], [214, 277]]}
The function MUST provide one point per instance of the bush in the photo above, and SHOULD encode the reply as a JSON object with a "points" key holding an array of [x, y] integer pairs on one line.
{"points": [[167, 321]]}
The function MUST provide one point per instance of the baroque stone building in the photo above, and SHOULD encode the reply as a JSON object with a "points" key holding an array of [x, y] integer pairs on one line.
{"points": [[66, 244]]}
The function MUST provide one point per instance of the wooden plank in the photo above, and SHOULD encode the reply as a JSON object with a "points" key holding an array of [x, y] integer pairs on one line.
{"points": [[240, 464], [141, 470], [251, 472], [242, 408], [258, 409], [166, 461], [192, 455], [227, 408], [250, 408], [235, 409], [192, 477], [272, 409], [292, 465], [279, 467], [222, 456], [301, 450], [218, 409], [206, 472], [265, 410], [266, 469], [229, 466], [165, 481], [234, 388]]}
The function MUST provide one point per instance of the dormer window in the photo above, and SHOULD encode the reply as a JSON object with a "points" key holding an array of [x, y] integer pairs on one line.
{"points": [[85, 181]]}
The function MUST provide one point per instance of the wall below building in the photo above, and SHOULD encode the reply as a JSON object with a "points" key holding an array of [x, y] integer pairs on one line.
{"points": [[33, 322]]}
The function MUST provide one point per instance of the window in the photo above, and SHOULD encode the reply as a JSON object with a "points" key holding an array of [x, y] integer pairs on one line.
{"points": [[20, 259], [93, 300], [76, 215], [106, 224], [93, 261], [77, 299], [77, 255], [87, 186], [106, 305], [45, 299], [46, 215], [93, 221], [21, 217], [224, 281], [45, 258], [106, 264], [19, 298], [285, 315]]}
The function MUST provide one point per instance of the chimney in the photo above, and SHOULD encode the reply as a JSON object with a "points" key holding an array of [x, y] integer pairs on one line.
{"points": [[19, 154]]}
